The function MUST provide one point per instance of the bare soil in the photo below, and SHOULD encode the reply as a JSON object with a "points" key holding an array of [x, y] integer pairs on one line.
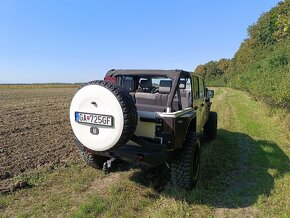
{"points": [[34, 130]]}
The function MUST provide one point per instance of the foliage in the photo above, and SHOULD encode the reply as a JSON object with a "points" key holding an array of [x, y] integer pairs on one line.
{"points": [[261, 65], [215, 72]]}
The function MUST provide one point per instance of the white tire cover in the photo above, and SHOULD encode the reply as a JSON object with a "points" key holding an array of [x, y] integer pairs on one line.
{"points": [[106, 104]]}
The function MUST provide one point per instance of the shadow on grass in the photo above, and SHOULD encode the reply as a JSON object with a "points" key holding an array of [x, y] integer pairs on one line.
{"points": [[235, 171]]}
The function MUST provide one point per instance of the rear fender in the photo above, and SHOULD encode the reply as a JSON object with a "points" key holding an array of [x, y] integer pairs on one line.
{"points": [[174, 129]]}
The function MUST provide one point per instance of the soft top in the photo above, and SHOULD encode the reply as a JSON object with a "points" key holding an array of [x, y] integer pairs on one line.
{"points": [[172, 74]]}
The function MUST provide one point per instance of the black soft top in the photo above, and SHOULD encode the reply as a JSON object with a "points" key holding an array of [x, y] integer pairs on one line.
{"points": [[172, 74]]}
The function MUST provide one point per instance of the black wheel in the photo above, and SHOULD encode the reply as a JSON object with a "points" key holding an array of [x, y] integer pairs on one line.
{"points": [[186, 164], [210, 128], [93, 160]]}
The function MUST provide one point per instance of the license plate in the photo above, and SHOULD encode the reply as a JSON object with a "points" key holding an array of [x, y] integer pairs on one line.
{"points": [[97, 119]]}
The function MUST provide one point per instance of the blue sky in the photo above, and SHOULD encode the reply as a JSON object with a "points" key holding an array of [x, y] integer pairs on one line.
{"points": [[72, 41]]}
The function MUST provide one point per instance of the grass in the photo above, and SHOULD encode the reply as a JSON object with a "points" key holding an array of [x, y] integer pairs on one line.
{"points": [[92, 208], [56, 191], [245, 172]]}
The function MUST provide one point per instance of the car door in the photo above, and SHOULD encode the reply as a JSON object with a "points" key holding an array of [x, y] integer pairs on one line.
{"points": [[196, 103]]}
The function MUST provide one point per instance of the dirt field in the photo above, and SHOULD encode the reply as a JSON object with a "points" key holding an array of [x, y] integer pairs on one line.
{"points": [[34, 129]]}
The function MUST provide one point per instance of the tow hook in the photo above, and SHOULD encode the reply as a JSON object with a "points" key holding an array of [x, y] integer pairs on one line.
{"points": [[138, 158], [108, 165]]}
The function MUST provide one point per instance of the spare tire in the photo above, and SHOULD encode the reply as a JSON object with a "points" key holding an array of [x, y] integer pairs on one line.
{"points": [[102, 100]]}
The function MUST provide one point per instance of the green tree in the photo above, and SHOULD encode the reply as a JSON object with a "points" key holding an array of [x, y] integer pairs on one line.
{"points": [[261, 65]]}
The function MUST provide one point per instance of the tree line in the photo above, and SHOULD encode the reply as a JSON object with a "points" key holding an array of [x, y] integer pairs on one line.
{"points": [[261, 65]]}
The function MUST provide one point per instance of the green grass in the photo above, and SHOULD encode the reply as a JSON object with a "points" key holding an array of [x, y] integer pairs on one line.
{"points": [[53, 191], [92, 208], [245, 172]]}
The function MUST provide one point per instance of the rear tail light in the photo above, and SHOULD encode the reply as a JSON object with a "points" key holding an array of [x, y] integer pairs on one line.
{"points": [[168, 125], [111, 79]]}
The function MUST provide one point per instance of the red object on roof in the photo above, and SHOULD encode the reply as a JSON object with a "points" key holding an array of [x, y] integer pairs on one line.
{"points": [[111, 79]]}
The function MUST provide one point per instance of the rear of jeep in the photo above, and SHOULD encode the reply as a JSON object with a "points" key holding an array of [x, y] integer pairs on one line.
{"points": [[149, 117]]}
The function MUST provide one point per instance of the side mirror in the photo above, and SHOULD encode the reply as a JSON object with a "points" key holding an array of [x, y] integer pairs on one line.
{"points": [[210, 93]]}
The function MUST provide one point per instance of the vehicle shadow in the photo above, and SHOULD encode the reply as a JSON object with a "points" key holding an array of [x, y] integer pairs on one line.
{"points": [[236, 169]]}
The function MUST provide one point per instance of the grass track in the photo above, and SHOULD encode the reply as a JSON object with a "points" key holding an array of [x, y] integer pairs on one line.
{"points": [[245, 172]]}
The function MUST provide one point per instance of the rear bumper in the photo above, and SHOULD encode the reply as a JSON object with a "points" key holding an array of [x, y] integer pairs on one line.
{"points": [[139, 155], [133, 153]]}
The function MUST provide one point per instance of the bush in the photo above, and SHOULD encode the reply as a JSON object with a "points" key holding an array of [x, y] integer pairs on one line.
{"points": [[261, 65]]}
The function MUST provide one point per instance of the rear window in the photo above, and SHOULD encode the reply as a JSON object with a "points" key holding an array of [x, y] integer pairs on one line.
{"points": [[146, 84]]}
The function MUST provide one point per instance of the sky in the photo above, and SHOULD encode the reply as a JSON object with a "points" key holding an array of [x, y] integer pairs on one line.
{"points": [[78, 41]]}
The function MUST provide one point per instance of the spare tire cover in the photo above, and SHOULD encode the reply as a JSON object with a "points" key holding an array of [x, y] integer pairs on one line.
{"points": [[96, 99]]}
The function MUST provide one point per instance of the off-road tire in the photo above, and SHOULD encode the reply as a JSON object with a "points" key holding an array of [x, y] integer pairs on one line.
{"points": [[128, 107], [93, 160], [186, 164], [210, 128]]}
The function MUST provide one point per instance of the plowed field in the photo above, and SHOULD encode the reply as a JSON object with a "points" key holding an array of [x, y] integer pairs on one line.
{"points": [[34, 129]]}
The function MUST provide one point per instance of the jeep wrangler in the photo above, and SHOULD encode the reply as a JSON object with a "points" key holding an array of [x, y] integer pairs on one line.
{"points": [[149, 117]]}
